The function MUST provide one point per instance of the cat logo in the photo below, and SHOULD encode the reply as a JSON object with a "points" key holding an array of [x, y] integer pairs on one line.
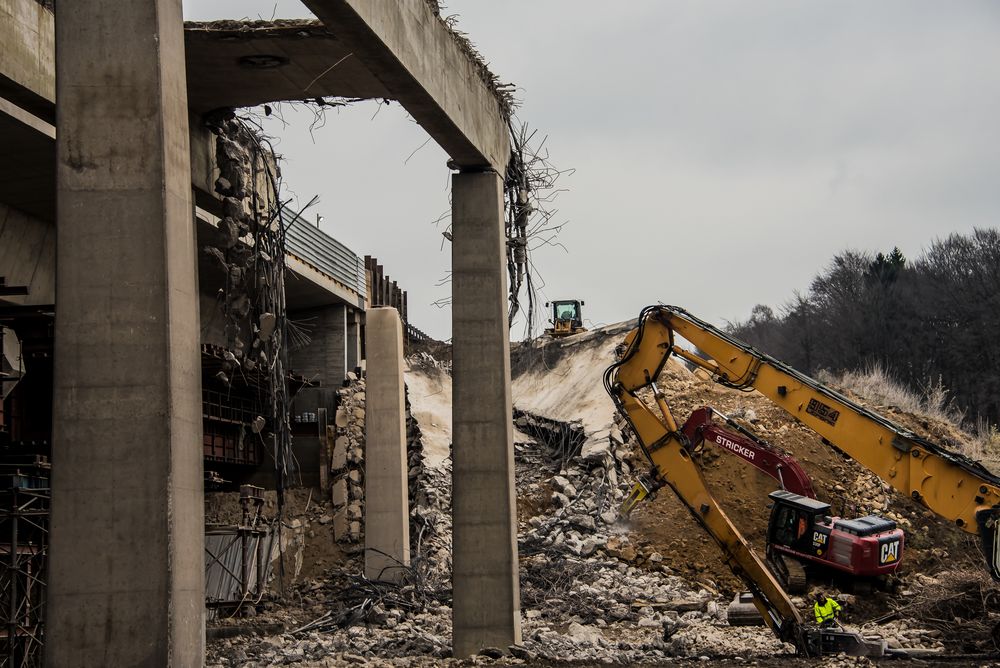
{"points": [[889, 553], [819, 538]]}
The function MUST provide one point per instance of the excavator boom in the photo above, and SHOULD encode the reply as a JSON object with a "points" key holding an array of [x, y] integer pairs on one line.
{"points": [[673, 466]]}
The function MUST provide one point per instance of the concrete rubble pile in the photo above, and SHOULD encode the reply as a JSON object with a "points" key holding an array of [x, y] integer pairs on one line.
{"points": [[592, 589], [347, 463], [588, 592]]}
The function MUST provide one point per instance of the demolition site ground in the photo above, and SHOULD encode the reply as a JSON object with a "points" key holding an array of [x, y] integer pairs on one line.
{"points": [[596, 588]]}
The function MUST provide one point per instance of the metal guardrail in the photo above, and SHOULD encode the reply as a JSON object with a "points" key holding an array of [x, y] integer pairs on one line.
{"points": [[415, 335], [309, 243]]}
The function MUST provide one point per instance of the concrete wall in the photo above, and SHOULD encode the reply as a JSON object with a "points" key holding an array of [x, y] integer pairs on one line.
{"points": [[213, 324], [27, 56], [324, 360], [28, 255]]}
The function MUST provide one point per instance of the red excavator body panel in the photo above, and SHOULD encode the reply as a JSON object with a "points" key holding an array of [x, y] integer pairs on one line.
{"points": [[760, 454]]}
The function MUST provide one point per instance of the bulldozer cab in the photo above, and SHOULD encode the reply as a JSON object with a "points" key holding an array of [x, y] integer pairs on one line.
{"points": [[567, 317]]}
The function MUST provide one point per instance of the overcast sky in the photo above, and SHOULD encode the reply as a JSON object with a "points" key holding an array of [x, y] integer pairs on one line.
{"points": [[724, 151]]}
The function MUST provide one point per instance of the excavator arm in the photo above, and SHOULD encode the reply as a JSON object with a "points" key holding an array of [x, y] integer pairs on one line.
{"points": [[668, 452], [755, 451], [949, 484]]}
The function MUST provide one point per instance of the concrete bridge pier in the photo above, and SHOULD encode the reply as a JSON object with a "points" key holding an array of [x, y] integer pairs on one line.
{"points": [[387, 508], [487, 610], [126, 578]]}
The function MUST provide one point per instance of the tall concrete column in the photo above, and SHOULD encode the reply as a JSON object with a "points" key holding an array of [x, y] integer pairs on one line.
{"points": [[353, 339], [126, 580], [487, 608], [387, 511]]}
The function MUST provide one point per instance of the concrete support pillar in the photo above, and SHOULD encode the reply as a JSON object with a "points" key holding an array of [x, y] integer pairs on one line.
{"points": [[387, 512], [126, 580], [353, 339], [338, 345], [487, 609]]}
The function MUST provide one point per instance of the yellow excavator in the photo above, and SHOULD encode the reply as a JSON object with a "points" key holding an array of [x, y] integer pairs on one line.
{"points": [[567, 318], [949, 484]]}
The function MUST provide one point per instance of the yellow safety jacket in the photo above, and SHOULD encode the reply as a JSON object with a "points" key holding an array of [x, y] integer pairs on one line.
{"points": [[826, 612]]}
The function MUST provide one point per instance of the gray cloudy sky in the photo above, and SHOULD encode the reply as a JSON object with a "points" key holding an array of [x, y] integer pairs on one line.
{"points": [[724, 151]]}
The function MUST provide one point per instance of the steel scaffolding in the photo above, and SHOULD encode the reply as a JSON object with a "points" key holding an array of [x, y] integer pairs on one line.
{"points": [[24, 540]]}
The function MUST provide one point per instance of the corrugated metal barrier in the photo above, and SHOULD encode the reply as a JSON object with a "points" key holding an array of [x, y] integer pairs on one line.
{"points": [[309, 243], [237, 565]]}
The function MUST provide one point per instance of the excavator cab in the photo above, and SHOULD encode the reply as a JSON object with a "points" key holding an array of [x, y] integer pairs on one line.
{"points": [[793, 519], [802, 530], [567, 318]]}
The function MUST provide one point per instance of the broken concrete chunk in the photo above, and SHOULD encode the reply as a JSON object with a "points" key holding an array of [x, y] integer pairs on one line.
{"points": [[233, 208], [223, 186], [266, 323], [685, 605], [589, 546], [586, 634], [340, 525], [596, 450], [338, 493], [564, 486], [338, 459], [258, 424]]}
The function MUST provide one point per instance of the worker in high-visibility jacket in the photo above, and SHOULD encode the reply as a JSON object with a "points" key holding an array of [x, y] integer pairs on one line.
{"points": [[826, 609]]}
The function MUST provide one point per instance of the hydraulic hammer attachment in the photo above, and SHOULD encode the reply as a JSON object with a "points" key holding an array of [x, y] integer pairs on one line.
{"points": [[989, 529], [830, 642], [645, 487]]}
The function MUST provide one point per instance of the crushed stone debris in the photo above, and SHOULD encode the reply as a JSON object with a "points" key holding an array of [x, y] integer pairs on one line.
{"points": [[593, 587]]}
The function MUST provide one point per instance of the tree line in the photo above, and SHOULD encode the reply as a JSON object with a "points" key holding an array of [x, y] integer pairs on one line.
{"points": [[932, 320]]}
